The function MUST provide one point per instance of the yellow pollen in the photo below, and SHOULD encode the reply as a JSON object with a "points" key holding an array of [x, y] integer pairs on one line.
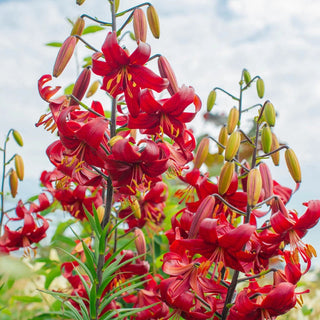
{"points": [[129, 76], [119, 76], [134, 84], [109, 84]]}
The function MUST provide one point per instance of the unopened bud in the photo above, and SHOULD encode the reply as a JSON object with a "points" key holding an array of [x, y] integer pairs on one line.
{"points": [[269, 113], [153, 20], [274, 146], [19, 165], [233, 119], [81, 85], [116, 5], [140, 25], [223, 138], [246, 76], [202, 153], [135, 207], [166, 71], [78, 27], [254, 186], [211, 100], [100, 213], [267, 181], [232, 145], [17, 137], [260, 88], [205, 210], [266, 139], [114, 140], [64, 55], [140, 243], [93, 88], [80, 2], [13, 183], [225, 177], [293, 165]]}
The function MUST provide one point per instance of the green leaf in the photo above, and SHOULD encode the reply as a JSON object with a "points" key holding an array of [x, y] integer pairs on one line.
{"points": [[92, 29], [54, 273], [26, 299], [54, 44], [68, 89]]}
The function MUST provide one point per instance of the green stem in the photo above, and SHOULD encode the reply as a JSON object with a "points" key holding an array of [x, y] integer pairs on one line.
{"points": [[132, 8], [96, 20], [226, 92]]}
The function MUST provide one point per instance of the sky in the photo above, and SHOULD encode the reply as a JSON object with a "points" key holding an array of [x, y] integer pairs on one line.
{"points": [[207, 42]]}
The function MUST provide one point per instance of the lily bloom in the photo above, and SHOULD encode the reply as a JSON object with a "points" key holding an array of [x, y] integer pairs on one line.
{"points": [[124, 73], [166, 115]]}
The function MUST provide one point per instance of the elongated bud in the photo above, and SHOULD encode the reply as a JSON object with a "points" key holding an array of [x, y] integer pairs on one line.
{"points": [[135, 207], [211, 100], [267, 181], [233, 119], [205, 210], [254, 186], [232, 145], [13, 183], [167, 72], [153, 20], [225, 177], [140, 243], [93, 88], [64, 55], [78, 27], [269, 113], [244, 175], [140, 25], [202, 153], [274, 146], [19, 165], [80, 2], [114, 139], [246, 76], [260, 88], [223, 138], [293, 165], [266, 139], [81, 85], [17, 137], [116, 5], [100, 213]]}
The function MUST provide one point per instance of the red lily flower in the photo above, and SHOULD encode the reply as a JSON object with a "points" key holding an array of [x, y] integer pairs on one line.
{"points": [[129, 166], [167, 115], [126, 73]]}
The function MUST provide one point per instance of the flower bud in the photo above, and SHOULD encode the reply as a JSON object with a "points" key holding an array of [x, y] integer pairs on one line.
{"points": [[205, 210], [153, 20], [13, 183], [135, 207], [223, 138], [246, 76], [211, 100], [167, 72], [233, 119], [202, 153], [293, 165], [93, 88], [19, 165], [274, 146], [17, 137], [232, 145], [80, 2], [267, 181], [140, 243], [64, 55], [81, 85], [140, 25], [269, 113], [78, 27], [114, 140], [260, 88], [254, 186], [266, 139], [100, 213], [116, 5], [225, 177]]}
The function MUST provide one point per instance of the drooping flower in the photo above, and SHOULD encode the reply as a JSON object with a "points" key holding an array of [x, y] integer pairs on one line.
{"points": [[124, 73]]}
